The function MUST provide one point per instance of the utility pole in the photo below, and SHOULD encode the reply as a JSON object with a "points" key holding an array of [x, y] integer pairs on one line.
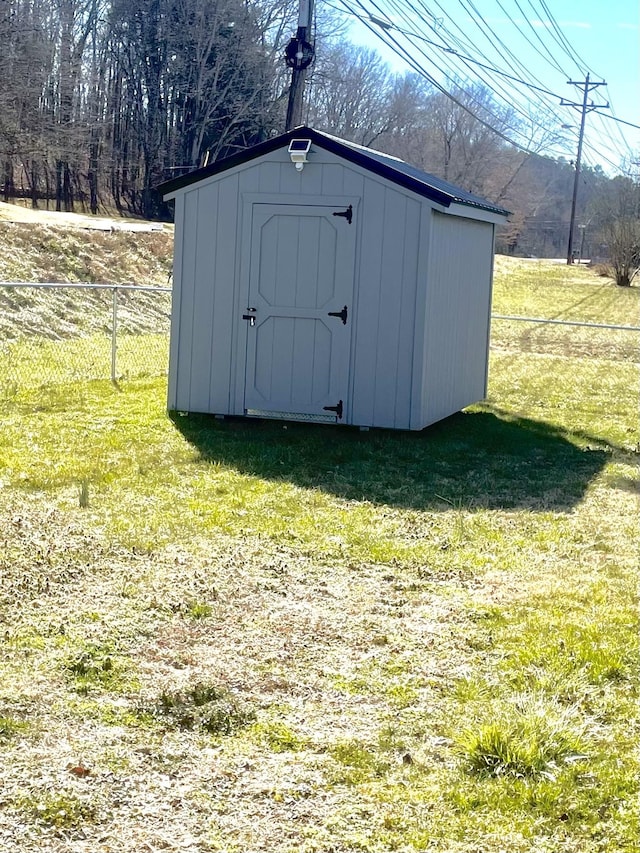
{"points": [[299, 55], [585, 107]]}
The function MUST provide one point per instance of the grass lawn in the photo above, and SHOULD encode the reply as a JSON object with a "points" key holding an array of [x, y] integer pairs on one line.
{"points": [[256, 636]]}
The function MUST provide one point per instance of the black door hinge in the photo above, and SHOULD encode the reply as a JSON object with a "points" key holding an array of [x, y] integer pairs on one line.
{"points": [[337, 409], [342, 314], [348, 214]]}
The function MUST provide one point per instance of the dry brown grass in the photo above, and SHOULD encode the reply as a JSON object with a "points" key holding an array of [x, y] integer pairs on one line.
{"points": [[41, 253], [23, 212], [282, 629]]}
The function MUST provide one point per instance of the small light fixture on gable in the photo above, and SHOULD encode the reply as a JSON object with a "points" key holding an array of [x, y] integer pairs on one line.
{"points": [[298, 150]]}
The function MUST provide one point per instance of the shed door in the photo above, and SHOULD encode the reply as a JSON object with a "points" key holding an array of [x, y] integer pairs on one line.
{"points": [[299, 315]]}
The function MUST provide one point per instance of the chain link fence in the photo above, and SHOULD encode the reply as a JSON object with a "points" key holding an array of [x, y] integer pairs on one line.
{"points": [[61, 333], [562, 371], [56, 334]]}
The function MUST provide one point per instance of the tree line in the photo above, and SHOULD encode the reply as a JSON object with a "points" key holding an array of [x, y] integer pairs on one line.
{"points": [[102, 100]]}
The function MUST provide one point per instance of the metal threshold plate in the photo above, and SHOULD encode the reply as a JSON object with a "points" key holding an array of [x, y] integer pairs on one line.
{"points": [[291, 416]]}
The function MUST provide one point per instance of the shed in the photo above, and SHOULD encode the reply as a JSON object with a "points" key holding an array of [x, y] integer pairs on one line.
{"points": [[318, 280]]}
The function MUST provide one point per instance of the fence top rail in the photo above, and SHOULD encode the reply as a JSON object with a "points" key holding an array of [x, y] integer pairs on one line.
{"points": [[85, 285], [566, 322]]}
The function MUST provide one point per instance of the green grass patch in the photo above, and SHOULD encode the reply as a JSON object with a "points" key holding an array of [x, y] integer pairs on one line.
{"points": [[202, 706], [543, 289], [58, 809], [11, 727], [434, 635], [278, 736], [98, 666], [531, 739], [358, 762], [43, 365]]}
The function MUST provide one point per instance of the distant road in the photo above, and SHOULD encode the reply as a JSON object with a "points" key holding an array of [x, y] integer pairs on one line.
{"points": [[17, 213]]}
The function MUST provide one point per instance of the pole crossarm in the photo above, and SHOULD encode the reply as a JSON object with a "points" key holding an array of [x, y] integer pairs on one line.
{"points": [[590, 107]]}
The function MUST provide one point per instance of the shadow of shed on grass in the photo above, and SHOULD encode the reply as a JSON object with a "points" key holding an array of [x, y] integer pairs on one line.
{"points": [[476, 459]]}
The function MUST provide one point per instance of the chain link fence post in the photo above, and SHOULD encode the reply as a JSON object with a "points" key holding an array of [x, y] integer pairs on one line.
{"points": [[114, 334]]}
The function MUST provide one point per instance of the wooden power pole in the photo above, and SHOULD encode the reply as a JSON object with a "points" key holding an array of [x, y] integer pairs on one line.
{"points": [[299, 56], [585, 108]]}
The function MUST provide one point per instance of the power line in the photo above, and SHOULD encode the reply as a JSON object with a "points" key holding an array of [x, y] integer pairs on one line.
{"points": [[551, 58], [562, 39], [449, 50], [513, 84], [615, 118], [490, 85], [392, 42], [439, 28], [505, 51]]}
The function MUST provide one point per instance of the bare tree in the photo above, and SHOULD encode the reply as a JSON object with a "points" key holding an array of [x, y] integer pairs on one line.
{"points": [[617, 212], [623, 239], [350, 93]]}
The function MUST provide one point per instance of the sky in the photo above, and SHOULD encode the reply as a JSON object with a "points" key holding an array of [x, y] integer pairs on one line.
{"points": [[600, 37]]}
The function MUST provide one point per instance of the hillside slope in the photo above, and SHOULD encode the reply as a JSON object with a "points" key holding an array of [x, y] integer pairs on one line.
{"points": [[37, 253], [33, 252]]}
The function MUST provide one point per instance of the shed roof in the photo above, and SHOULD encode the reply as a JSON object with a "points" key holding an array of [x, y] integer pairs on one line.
{"points": [[385, 165]]}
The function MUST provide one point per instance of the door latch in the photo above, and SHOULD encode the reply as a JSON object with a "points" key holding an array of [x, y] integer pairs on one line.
{"points": [[250, 317], [342, 314], [348, 214]]}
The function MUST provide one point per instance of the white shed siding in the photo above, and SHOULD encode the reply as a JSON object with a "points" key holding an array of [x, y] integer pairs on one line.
{"points": [[222, 236], [385, 309], [183, 305], [208, 337], [206, 205], [457, 315], [206, 274]]}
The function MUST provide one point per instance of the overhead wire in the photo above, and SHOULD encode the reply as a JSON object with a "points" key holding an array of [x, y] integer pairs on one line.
{"points": [[507, 56], [553, 61], [620, 144], [523, 143], [487, 83], [561, 39], [504, 51], [550, 107], [454, 64], [623, 146], [616, 119], [419, 68], [477, 62]]}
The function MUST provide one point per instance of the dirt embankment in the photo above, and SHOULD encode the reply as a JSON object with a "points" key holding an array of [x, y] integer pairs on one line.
{"points": [[43, 246]]}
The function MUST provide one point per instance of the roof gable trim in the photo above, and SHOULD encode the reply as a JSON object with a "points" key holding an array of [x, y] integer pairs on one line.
{"points": [[376, 162]]}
